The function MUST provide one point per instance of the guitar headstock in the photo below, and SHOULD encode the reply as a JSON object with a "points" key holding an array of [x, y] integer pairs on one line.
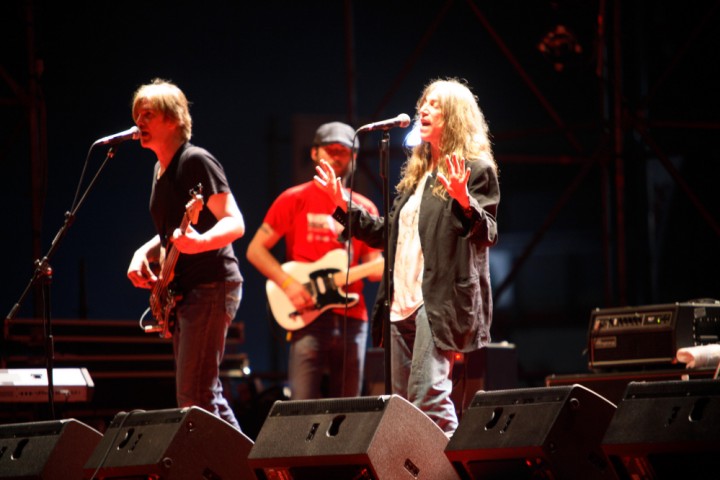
{"points": [[195, 205]]}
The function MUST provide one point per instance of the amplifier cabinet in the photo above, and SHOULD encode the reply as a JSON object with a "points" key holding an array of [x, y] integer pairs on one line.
{"points": [[630, 337]]}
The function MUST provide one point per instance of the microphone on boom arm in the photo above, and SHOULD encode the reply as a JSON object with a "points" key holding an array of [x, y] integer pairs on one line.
{"points": [[129, 134], [401, 121]]}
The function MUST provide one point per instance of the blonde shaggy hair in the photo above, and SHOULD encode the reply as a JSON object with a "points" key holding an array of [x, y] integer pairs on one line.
{"points": [[168, 99], [465, 133]]}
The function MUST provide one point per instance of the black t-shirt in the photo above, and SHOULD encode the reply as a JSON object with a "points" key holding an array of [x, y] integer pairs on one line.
{"points": [[189, 167]]}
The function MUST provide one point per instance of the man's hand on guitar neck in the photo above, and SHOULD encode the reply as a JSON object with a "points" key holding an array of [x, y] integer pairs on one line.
{"points": [[297, 293]]}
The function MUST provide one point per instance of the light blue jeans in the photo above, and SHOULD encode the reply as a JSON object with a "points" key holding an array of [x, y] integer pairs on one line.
{"points": [[327, 346], [201, 324], [421, 372]]}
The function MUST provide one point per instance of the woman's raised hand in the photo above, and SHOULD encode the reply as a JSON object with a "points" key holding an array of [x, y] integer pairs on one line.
{"points": [[457, 179]]}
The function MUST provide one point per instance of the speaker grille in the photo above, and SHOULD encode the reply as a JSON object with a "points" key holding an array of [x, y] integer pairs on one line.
{"points": [[364, 438], [551, 432], [52, 450]]}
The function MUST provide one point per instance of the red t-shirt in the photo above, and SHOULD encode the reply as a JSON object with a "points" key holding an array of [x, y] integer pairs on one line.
{"points": [[303, 215]]}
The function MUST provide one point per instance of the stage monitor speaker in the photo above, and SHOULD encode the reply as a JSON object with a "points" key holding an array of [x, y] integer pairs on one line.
{"points": [[51, 450], [533, 433], [174, 444], [666, 430], [363, 438]]}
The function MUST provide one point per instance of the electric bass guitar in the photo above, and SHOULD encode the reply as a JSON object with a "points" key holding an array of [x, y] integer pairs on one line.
{"points": [[323, 279], [162, 298]]}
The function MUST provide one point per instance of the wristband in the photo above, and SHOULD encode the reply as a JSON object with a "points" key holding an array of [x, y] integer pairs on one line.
{"points": [[288, 280]]}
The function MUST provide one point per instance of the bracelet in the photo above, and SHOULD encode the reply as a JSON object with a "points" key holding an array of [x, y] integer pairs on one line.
{"points": [[288, 280]]}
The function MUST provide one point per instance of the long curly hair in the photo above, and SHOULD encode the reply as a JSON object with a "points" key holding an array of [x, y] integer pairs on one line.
{"points": [[465, 133]]}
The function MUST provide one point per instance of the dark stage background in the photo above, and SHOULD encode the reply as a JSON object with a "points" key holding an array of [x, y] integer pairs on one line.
{"points": [[591, 215]]}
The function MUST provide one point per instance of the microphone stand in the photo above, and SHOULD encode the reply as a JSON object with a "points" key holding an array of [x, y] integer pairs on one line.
{"points": [[43, 271], [385, 175]]}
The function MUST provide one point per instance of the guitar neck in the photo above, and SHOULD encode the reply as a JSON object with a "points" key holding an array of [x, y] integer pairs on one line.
{"points": [[359, 272], [168, 266]]}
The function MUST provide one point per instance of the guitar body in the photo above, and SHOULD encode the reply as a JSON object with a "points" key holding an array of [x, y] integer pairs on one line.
{"points": [[320, 279], [162, 306]]}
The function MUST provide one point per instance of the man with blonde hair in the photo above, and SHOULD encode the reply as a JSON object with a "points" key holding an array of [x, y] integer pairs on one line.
{"points": [[206, 278]]}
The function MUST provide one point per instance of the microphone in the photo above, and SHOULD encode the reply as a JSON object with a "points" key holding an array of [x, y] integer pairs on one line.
{"points": [[401, 121], [129, 134]]}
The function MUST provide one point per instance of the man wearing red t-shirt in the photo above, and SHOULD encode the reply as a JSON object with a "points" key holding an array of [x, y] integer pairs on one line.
{"points": [[333, 343]]}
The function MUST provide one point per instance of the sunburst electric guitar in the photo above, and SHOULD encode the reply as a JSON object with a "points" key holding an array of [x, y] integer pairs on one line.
{"points": [[324, 280], [162, 298]]}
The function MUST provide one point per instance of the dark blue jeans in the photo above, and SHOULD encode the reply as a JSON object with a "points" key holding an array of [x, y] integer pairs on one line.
{"points": [[202, 320], [325, 346]]}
